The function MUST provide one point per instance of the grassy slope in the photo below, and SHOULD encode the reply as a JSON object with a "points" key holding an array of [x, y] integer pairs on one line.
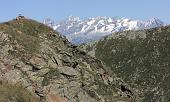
{"points": [[26, 32], [15, 93], [142, 62]]}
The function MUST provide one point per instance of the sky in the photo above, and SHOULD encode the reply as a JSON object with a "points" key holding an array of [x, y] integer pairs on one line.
{"points": [[60, 9]]}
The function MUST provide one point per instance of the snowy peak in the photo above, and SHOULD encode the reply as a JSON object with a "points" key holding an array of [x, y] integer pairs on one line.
{"points": [[154, 22], [84, 30], [73, 18]]}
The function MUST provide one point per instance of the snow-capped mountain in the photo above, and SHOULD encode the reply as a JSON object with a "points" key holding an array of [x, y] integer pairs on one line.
{"points": [[84, 30]]}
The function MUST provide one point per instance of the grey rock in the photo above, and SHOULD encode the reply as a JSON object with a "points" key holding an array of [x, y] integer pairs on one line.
{"points": [[68, 71]]}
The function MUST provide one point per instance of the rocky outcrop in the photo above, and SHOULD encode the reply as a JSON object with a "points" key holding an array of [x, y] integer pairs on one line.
{"points": [[51, 68]]}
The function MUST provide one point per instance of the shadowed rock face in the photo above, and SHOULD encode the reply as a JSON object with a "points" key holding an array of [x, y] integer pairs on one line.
{"points": [[36, 57], [140, 58]]}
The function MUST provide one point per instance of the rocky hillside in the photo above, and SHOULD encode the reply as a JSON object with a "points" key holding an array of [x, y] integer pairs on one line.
{"points": [[140, 58], [35, 57]]}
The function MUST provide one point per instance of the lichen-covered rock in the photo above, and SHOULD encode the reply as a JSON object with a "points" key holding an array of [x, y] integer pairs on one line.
{"points": [[68, 71]]}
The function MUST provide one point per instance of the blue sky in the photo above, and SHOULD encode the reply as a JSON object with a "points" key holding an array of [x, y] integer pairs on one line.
{"points": [[60, 9]]}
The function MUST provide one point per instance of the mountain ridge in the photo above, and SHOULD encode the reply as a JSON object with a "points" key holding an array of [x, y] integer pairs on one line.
{"points": [[80, 31], [36, 57]]}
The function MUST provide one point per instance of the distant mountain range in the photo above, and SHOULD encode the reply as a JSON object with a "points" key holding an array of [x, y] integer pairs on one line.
{"points": [[80, 31]]}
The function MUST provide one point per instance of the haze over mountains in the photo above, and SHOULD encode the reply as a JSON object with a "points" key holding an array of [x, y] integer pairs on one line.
{"points": [[80, 31]]}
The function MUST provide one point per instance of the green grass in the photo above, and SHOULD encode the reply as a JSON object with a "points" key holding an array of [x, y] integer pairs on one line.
{"points": [[141, 62], [14, 93], [26, 33]]}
